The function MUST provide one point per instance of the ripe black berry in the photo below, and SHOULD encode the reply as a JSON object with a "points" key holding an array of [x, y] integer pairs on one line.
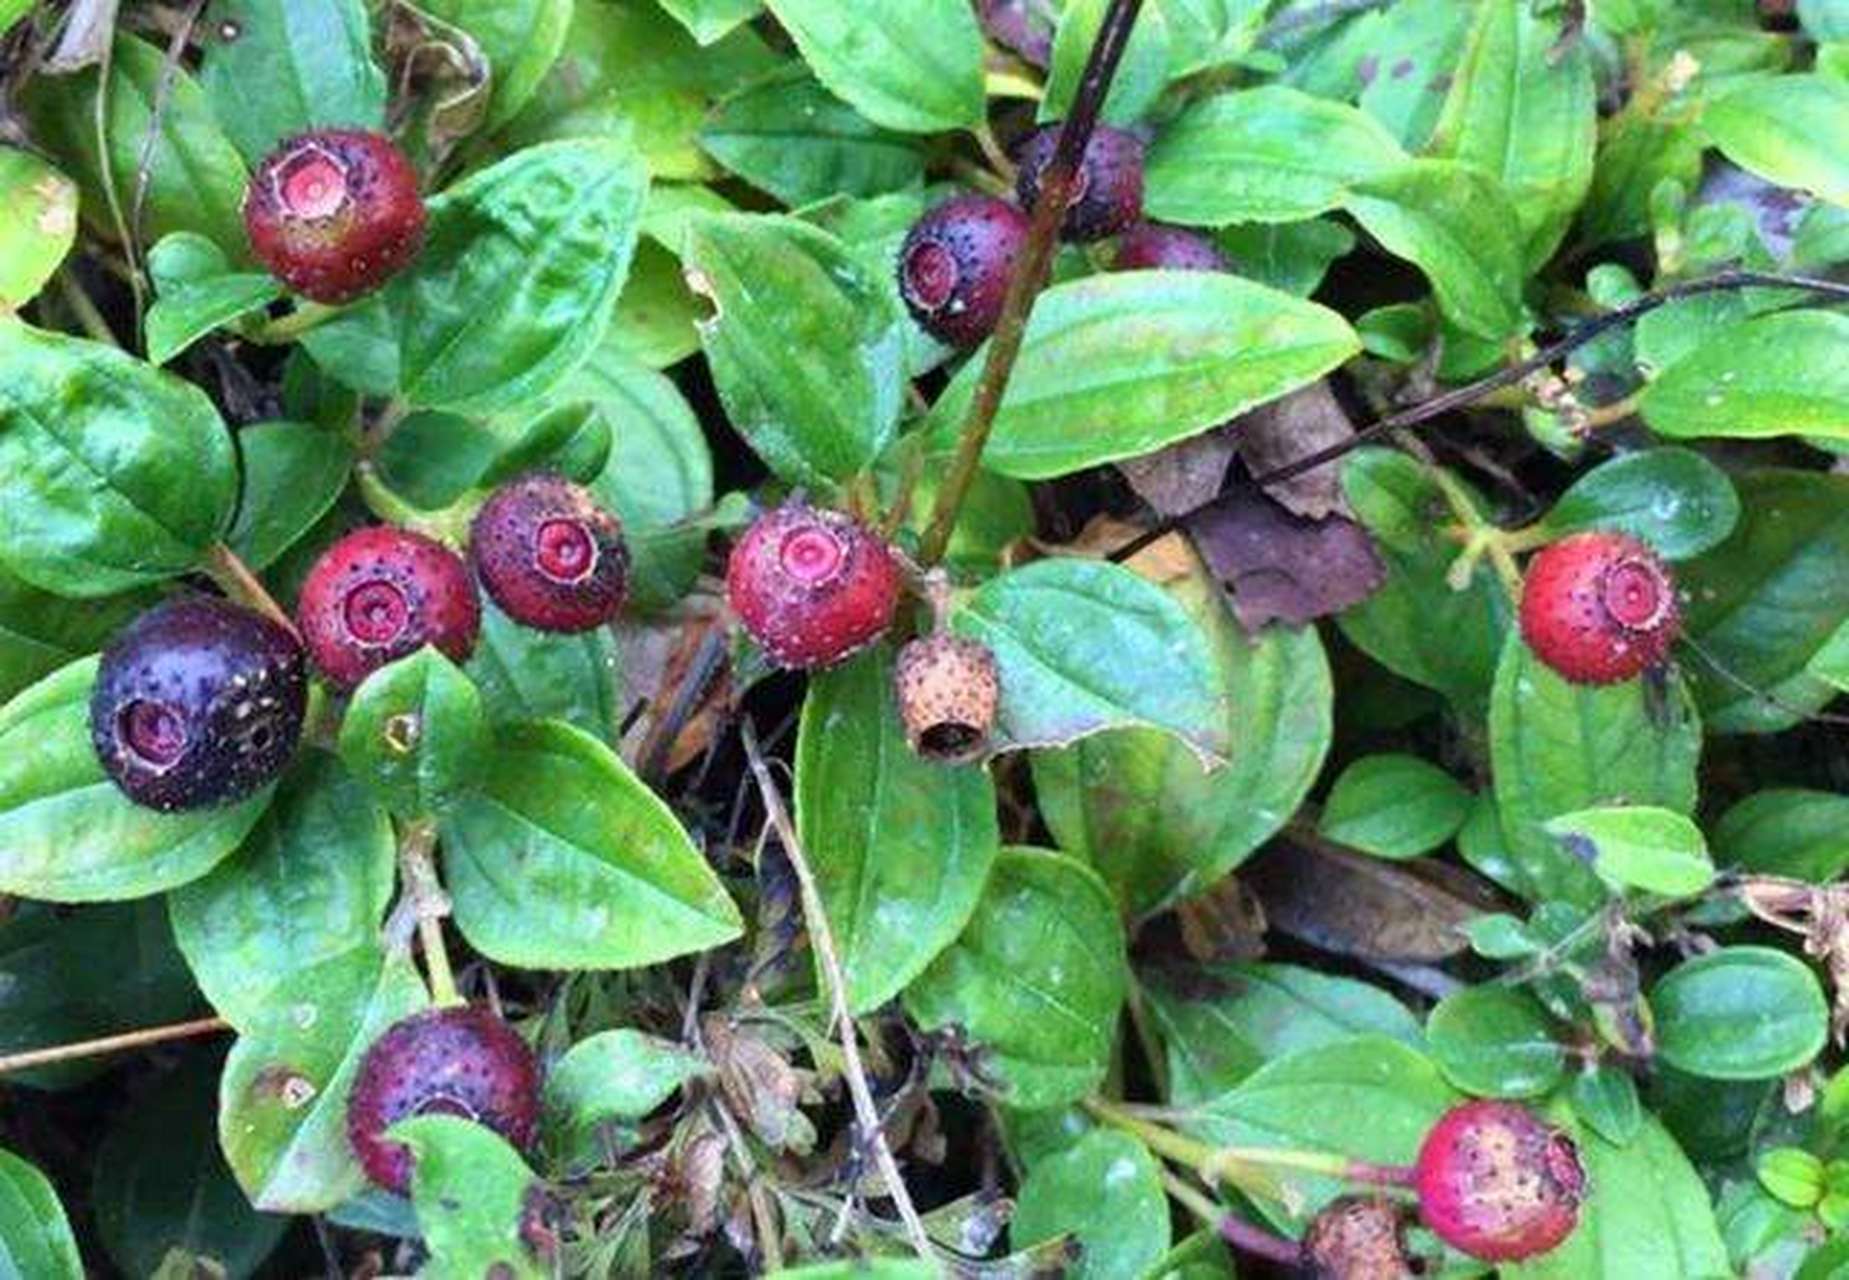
{"points": [[381, 593], [197, 704], [549, 555], [1107, 191], [1154, 246], [955, 266]]}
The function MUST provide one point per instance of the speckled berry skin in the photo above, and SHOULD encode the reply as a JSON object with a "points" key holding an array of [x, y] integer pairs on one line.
{"points": [[1599, 608], [1357, 1238], [549, 555], [1154, 246], [198, 704], [381, 593], [334, 213], [1107, 194], [955, 265], [460, 1060], [812, 587], [1498, 1183], [948, 690]]}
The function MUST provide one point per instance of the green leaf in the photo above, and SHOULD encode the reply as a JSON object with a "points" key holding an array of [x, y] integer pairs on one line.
{"points": [[1638, 847], [1086, 645], [866, 1269], [1292, 256], [161, 1185], [293, 475], [1646, 1216], [525, 674], [283, 1099], [565, 860], [416, 734], [1496, 1042], [40, 632], [900, 847], [1830, 664], [1788, 130], [66, 833], [1107, 1191], [276, 68], [309, 886], [1674, 499], [198, 290], [35, 1236], [915, 67], [657, 315], [1787, 831], [1413, 50], [1766, 600], [1118, 365], [792, 138], [1454, 223], [1523, 107], [1223, 1022], [359, 347], [156, 122], [1793, 1175], [1270, 154], [1605, 1098], [40, 227], [472, 1191], [1770, 375], [1140, 807], [806, 347], [1211, 33], [708, 20], [521, 265], [1740, 1013], [521, 39], [1142, 71], [112, 475], [1557, 747], [1394, 806], [1036, 979], [614, 1075]]}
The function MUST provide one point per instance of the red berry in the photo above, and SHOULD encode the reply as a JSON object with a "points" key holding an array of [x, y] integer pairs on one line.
{"points": [[812, 587], [1357, 1238], [1152, 246], [455, 1061], [955, 266], [198, 703], [948, 690], [1107, 193], [1498, 1183], [381, 593], [549, 555], [1599, 608], [334, 213]]}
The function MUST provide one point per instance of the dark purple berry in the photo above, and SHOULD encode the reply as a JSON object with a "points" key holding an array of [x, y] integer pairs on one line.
{"points": [[549, 555], [1153, 246], [380, 594], [1107, 191], [955, 266], [198, 703]]}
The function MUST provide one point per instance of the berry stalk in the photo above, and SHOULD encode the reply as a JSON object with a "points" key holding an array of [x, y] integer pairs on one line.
{"points": [[238, 583], [416, 842]]}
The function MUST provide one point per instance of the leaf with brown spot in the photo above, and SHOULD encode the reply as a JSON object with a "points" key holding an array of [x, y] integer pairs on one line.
{"points": [[1300, 424]]}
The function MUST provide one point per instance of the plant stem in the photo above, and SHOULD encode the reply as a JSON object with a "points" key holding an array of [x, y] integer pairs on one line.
{"points": [[416, 842], [822, 936], [1484, 537], [287, 328], [84, 309], [111, 1044], [236, 580], [1236, 1231], [993, 153], [1030, 274]]}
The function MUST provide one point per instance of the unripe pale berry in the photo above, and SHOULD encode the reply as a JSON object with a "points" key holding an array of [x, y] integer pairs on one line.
{"points": [[1107, 191], [453, 1061], [381, 593], [1599, 608], [812, 587], [1154, 246], [948, 689], [1498, 1183], [334, 213], [1357, 1238], [955, 265], [197, 704], [549, 555]]}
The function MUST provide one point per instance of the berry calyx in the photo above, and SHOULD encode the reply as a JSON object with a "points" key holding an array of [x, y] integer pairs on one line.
{"points": [[1357, 1238], [1107, 190], [1599, 608], [948, 690], [459, 1060], [1498, 1183], [955, 265], [381, 593], [334, 213], [812, 587], [1154, 246], [549, 555], [198, 704]]}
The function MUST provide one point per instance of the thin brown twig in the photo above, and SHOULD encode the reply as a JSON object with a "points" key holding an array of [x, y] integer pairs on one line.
{"points": [[823, 937], [111, 1044]]}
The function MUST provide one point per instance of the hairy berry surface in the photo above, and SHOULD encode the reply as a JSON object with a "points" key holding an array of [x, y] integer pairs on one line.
{"points": [[549, 555]]}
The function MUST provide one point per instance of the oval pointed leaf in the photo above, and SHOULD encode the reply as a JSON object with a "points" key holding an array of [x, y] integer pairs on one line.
{"points": [[1771, 375], [41, 228], [916, 67], [416, 733], [525, 674], [281, 67], [1107, 1191], [1787, 831], [1674, 499], [471, 1191], [35, 1236], [112, 474], [293, 473], [565, 860], [1496, 1042], [1639, 847], [900, 847], [1788, 130], [1394, 806], [614, 1075], [1740, 1013]]}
